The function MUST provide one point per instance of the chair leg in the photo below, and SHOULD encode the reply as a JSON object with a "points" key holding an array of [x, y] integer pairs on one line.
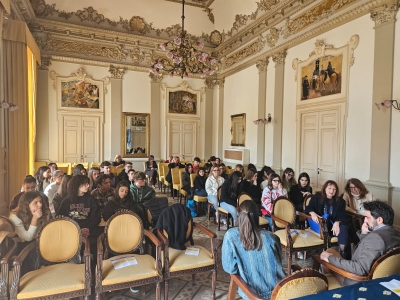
{"points": [[289, 263], [158, 292], [193, 278], [227, 222], [213, 283], [219, 221], [166, 290]]}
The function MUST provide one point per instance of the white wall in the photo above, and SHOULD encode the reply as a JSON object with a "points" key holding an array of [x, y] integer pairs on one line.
{"points": [[136, 92], [241, 94], [269, 108], [360, 96]]}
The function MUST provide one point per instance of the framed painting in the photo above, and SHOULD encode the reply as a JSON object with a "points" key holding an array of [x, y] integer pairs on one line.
{"points": [[79, 92], [324, 75]]}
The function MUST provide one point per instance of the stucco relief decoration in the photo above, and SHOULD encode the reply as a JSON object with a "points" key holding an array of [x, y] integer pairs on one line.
{"points": [[215, 38], [210, 15], [137, 24], [137, 56], [279, 58], [246, 52], [210, 83], [272, 37], [387, 13], [265, 5], [90, 14], [262, 64], [324, 75], [116, 72], [156, 78]]}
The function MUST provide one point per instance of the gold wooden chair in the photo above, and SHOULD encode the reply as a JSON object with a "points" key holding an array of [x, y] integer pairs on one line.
{"points": [[223, 212], [161, 175], [114, 240], [386, 265], [182, 192], [262, 222], [38, 164], [196, 198], [95, 164], [58, 245], [177, 263], [283, 215], [65, 167], [115, 170], [166, 183], [301, 283]]}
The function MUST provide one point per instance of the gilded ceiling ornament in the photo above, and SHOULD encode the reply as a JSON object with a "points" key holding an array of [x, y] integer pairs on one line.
{"points": [[386, 13], [156, 78], [137, 24], [265, 5], [116, 72], [90, 14], [279, 58], [210, 15], [137, 56], [240, 20], [272, 37], [262, 65], [215, 38], [244, 53], [212, 82]]}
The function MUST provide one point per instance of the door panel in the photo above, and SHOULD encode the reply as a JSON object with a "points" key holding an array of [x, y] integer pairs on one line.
{"points": [[183, 139], [72, 139], [309, 150]]}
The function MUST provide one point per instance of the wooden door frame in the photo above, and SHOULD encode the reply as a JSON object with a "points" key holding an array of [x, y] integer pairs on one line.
{"points": [[341, 107], [60, 125], [189, 120]]}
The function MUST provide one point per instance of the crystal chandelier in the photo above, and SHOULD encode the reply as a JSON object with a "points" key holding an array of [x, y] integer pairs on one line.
{"points": [[184, 58]]}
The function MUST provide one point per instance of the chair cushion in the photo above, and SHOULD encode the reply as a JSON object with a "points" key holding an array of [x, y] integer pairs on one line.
{"points": [[262, 221], [146, 268], [52, 280], [334, 239], [332, 282], [200, 199], [179, 261], [220, 209], [299, 241], [176, 186]]}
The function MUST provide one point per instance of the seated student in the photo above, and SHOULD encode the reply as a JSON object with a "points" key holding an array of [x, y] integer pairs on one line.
{"points": [[213, 182], [29, 185], [264, 184], [174, 164], [229, 192], [140, 191], [207, 169], [200, 183], [300, 191], [61, 194], [249, 186], [328, 202], [151, 171], [53, 166], [212, 160], [31, 212], [94, 172], [105, 167], [270, 194], [196, 164], [123, 175], [377, 236], [53, 187], [104, 191], [121, 200], [262, 175], [217, 161], [43, 178], [355, 195], [240, 169], [131, 174], [254, 254], [118, 162], [288, 179], [169, 160], [222, 171], [186, 180], [79, 170]]}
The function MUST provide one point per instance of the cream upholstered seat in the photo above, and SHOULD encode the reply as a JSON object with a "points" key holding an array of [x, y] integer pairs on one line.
{"points": [[262, 222], [301, 283], [283, 215], [182, 191], [177, 263], [165, 171], [161, 175], [386, 265], [114, 241], [58, 245], [176, 180]]}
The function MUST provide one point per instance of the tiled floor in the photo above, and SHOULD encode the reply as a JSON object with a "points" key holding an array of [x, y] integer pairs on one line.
{"points": [[182, 288]]}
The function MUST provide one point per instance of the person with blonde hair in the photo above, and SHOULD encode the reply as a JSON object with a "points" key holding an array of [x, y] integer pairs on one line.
{"points": [[118, 162], [246, 246]]}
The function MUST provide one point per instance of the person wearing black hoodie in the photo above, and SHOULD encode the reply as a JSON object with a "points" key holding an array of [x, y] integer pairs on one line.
{"points": [[200, 183], [230, 190]]}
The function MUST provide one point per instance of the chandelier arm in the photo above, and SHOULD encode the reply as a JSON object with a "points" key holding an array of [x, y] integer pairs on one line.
{"points": [[395, 106], [183, 18]]}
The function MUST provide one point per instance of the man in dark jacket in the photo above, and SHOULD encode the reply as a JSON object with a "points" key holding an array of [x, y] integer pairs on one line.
{"points": [[377, 236]]}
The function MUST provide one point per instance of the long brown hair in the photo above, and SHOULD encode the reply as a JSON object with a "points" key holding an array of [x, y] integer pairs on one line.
{"points": [[63, 190], [23, 212], [250, 174], [322, 193], [248, 226], [288, 183], [358, 184]]}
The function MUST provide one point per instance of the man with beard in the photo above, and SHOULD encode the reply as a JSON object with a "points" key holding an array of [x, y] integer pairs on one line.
{"points": [[377, 236]]}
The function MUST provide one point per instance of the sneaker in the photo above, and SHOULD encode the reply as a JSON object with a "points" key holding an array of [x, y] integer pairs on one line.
{"points": [[135, 289], [223, 221], [300, 255]]}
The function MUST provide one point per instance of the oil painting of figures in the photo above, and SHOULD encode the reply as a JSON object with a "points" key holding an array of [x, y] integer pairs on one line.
{"points": [[322, 77], [79, 94], [181, 102]]}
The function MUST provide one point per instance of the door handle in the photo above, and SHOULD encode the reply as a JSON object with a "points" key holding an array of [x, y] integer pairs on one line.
{"points": [[319, 169]]}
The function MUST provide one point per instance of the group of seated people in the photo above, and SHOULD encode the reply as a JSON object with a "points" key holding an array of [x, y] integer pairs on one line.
{"points": [[92, 198]]}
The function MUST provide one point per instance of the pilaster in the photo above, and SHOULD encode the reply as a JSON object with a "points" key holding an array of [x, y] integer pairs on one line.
{"points": [[382, 89], [116, 110], [155, 115]]}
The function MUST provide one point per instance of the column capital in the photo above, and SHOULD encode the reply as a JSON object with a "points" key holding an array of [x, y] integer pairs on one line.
{"points": [[262, 65], [116, 73], [279, 57], [156, 78], [385, 14], [46, 63], [212, 82]]}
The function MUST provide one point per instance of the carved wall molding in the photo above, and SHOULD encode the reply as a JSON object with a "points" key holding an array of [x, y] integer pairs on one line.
{"points": [[384, 14], [210, 15], [183, 86], [272, 37], [279, 58], [211, 83], [156, 78], [116, 73], [244, 53], [262, 65], [46, 62]]}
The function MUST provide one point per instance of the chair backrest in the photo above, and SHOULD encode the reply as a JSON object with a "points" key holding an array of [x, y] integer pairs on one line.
{"points": [[301, 283], [95, 164], [115, 170], [121, 225], [243, 197], [84, 164], [189, 232], [180, 176], [38, 164], [306, 201], [284, 209], [175, 175], [192, 177], [161, 169], [219, 193], [6, 224], [65, 167], [386, 265], [144, 166], [59, 240]]}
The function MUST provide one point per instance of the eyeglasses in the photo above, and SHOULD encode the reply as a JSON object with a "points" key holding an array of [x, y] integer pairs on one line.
{"points": [[290, 175], [276, 180], [354, 188], [216, 170]]}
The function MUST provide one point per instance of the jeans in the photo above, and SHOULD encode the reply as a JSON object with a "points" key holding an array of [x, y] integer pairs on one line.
{"points": [[271, 222], [214, 200], [231, 209]]}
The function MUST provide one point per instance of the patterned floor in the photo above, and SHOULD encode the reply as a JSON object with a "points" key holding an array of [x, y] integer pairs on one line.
{"points": [[182, 288]]}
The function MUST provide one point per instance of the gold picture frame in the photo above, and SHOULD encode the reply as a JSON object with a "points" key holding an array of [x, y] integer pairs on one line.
{"points": [[136, 134]]}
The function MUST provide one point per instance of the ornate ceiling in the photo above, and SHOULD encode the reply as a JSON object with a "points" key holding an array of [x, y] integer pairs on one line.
{"points": [[128, 35]]}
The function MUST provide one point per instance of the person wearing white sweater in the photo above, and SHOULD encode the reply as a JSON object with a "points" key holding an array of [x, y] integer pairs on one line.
{"points": [[214, 181], [53, 187]]}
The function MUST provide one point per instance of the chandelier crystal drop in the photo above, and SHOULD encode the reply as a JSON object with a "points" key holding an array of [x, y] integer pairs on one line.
{"points": [[184, 57]]}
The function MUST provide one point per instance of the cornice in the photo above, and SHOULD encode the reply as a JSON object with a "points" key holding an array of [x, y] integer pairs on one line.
{"points": [[385, 14], [22, 10]]}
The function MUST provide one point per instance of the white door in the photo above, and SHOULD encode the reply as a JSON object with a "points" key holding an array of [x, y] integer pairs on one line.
{"points": [[182, 139], [80, 139], [319, 146]]}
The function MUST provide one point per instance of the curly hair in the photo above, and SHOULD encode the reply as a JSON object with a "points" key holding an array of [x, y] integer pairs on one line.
{"points": [[23, 212], [358, 184], [73, 186], [380, 209]]}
